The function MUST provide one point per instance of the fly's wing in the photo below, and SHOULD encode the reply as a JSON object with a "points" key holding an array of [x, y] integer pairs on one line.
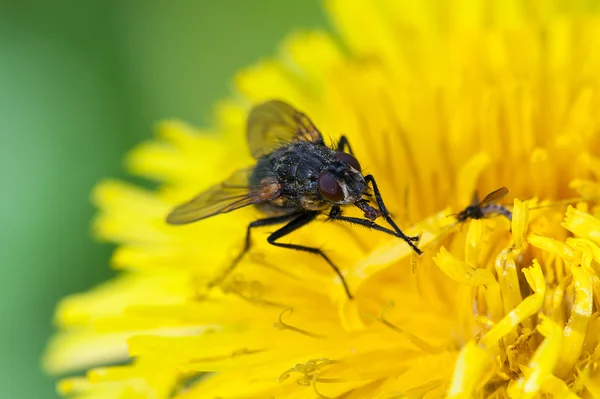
{"points": [[274, 123], [494, 196], [232, 194], [475, 199]]}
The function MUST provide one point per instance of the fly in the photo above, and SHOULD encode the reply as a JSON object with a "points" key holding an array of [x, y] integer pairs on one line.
{"points": [[296, 178], [485, 208]]}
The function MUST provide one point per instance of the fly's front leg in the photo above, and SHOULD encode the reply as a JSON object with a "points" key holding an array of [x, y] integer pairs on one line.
{"points": [[386, 215], [343, 144], [302, 220], [336, 214], [248, 242]]}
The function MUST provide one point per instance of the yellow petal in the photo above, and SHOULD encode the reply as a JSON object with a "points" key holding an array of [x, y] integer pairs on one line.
{"points": [[76, 351], [470, 366], [577, 326], [553, 246], [508, 279], [474, 241], [461, 272], [520, 221], [468, 175], [582, 224]]}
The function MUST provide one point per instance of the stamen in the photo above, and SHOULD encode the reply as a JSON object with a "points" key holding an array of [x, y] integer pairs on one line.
{"points": [[249, 290], [283, 326], [235, 353], [530, 306], [259, 259], [542, 362], [504, 371], [309, 371], [518, 353], [416, 341], [314, 386]]}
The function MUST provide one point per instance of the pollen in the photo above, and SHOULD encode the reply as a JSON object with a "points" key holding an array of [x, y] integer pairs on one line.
{"points": [[439, 101]]}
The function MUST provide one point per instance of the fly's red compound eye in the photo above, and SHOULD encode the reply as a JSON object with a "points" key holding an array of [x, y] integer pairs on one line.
{"points": [[349, 159], [329, 188]]}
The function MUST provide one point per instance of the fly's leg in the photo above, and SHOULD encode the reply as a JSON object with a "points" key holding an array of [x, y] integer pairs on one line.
{"points": [[248, 243], [343, 144], [302, 220], [336, 214], [386, 215]]}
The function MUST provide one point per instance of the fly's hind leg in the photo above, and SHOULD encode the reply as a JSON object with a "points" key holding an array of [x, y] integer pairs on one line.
{"points": [[296, 223], [248, 243]]}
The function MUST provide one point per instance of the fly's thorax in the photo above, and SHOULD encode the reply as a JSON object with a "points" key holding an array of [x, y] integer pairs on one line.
{"points": [[296, 167], [313, 177], [470, 212]]}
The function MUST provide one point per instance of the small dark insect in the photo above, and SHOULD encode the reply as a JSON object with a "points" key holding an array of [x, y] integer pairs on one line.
{"points": [[295, 179], [485, 208]]}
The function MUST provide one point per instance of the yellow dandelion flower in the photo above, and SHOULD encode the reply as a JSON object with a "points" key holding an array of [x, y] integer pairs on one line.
{"points": [[439, 99]]}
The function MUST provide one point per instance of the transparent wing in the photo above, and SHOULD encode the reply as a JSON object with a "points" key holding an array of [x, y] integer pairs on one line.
{"points": [[274, 123], [494, 196], [232, 194]]}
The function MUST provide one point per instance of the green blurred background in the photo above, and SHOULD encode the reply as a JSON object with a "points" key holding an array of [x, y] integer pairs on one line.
{"points": [[81, 82]]}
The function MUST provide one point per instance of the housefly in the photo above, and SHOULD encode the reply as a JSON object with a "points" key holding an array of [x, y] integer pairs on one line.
{"points": [[295, 179], [485, 208]]}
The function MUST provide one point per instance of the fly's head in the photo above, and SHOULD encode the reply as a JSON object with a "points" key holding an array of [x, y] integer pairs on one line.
{"points": [[341, 181]]}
